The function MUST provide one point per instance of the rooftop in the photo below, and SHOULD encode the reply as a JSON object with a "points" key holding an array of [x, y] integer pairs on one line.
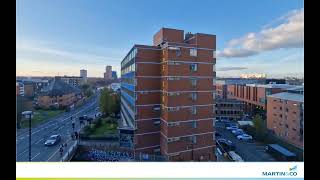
{"points": [[281, 86], [58, 87], [288, 96]]}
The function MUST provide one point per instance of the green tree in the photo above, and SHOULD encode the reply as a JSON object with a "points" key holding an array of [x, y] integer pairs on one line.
{"points": [[106, 102], [116, 104], [260, 127]]}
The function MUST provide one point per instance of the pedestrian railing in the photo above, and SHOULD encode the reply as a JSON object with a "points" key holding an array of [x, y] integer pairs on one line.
{"points": [[68, 155]]}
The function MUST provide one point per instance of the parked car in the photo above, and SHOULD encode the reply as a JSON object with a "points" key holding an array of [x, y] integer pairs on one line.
{"points": [[54, 139], [238, 131], [232, 128], [244, 137], [228, 124], [227, 145]]}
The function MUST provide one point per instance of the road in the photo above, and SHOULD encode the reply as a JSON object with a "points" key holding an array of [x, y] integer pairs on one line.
{"points": [[60, 125], [249, 151]]}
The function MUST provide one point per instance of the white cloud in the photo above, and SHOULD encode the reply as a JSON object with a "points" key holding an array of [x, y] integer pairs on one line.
{"points": [[288, 34]]}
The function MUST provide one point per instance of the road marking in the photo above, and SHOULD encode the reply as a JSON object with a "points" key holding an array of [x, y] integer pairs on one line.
{"points": [[53, 154], [35, 132], [39, 141], [22, 153], [58, 150], [35, 156]]}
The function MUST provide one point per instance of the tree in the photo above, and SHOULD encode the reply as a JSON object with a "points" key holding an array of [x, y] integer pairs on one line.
{"points": [[260, 127], [116, 104], [21, 106], [106, 102]]}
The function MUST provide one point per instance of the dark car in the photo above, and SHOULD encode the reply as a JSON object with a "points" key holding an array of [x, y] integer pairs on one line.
{"points": [[54, 139], [227, 145], [84, 117]]}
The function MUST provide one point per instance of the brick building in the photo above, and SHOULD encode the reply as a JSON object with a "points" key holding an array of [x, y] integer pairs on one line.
{"points": [[167, 97], [285, 116], [231, 109], [254, 96], [58, 94]]}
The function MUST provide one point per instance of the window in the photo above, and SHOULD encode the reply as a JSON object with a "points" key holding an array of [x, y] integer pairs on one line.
{"points": [[178, 52], [173, 139], [194, 124], [193, 52], [173, 124], [193, 67], [172, 109], [287, 110], [214, 54], [156, 122], [194, 82], [193, 110], [194, 139], [280, 108], [156, 108], [280, 115], [294, 129], [274, 107], [194, 96]]}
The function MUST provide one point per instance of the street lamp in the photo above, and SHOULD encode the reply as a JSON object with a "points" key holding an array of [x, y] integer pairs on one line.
{"points": [[29, 113]]}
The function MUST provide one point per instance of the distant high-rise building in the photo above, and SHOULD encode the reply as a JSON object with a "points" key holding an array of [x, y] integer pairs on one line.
{"points": [[114, 75], [108, 73], [83, 74]]}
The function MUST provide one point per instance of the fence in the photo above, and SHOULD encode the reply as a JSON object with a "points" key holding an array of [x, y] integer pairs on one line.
{"points": [[70, 152]]}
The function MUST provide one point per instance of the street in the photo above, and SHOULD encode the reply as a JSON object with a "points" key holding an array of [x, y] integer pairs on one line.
{"points": [[60, 125], [251, 151]]}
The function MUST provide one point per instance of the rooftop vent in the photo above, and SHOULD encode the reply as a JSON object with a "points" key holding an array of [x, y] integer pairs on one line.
{"points": [[188, 36]]}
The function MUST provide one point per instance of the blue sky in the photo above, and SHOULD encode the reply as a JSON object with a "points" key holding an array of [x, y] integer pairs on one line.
{"points": [[63, 36]]}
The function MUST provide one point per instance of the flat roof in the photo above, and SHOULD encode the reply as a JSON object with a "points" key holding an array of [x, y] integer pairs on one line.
{"points": [[282, 86], [288, 96], [282, 150]]}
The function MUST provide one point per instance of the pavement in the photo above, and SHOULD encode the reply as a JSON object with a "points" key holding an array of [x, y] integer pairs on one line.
{"points": [[250, 151], [60, 125]]}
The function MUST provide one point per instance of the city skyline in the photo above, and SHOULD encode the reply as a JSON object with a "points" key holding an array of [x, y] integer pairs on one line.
{"points": [[267, 39]]}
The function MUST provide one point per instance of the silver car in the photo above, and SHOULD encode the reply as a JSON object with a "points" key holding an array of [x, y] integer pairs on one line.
{"points": [[54, 139]]}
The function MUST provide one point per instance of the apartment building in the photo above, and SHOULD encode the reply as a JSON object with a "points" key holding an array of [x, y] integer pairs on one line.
{"points": [[108, 74], [58, 94], [167, 97], [285, 116], [83, 75]]}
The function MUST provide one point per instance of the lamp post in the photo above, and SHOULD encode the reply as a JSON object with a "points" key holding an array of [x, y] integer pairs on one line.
{"points": [[29, 113]]}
